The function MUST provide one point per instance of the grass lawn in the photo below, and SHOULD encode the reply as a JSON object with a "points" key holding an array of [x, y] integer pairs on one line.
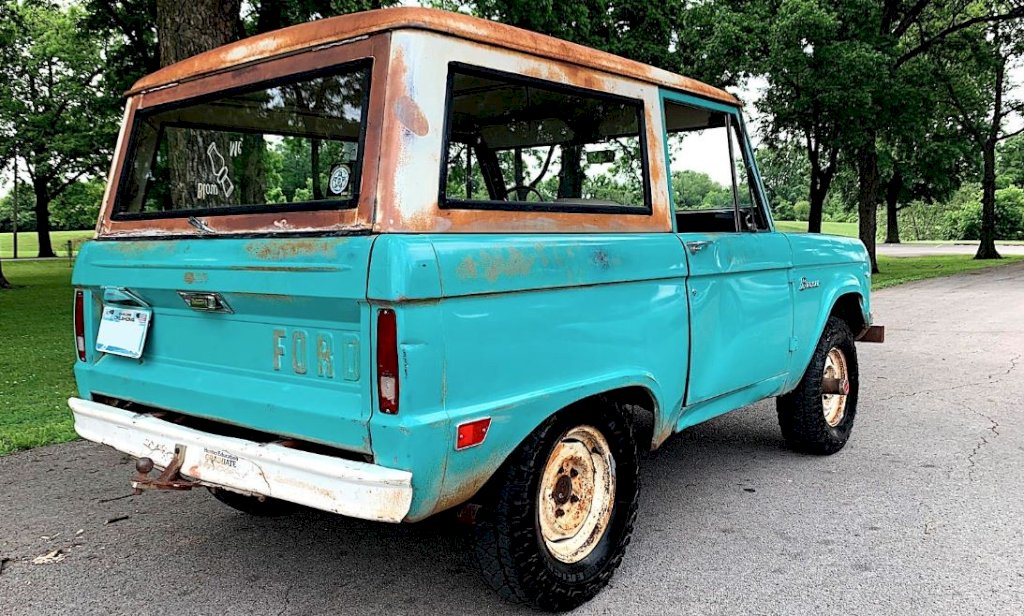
{"points": [[36, 352], [848, 229], [28, 243], [36, 355], [898, 270]]}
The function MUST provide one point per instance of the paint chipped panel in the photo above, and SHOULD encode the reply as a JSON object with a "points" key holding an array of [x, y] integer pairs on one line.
{"points": [[343, 220], [411, 159]]}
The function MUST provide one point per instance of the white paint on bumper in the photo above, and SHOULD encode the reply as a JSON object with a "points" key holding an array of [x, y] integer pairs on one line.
{"points": [[346, 487]]}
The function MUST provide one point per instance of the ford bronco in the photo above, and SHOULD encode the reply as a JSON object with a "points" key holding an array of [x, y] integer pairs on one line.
{"points": [[404, 261]]}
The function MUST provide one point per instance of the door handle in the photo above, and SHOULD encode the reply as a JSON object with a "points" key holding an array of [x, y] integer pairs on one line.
{"points": [[696, 246]]}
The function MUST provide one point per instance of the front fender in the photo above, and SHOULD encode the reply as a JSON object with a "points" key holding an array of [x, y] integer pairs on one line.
{"points": [[811, 312]]}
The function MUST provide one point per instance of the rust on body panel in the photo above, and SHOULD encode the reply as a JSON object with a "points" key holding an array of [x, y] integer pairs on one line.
{"points": [[333, 30]]}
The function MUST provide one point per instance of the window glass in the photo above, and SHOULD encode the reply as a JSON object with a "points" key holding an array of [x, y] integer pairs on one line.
{"points": [[703, 165], [289, 146], [515, 143]]}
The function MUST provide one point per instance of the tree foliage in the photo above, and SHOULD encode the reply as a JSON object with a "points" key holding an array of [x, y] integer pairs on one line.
{"points": [[57, 113]]}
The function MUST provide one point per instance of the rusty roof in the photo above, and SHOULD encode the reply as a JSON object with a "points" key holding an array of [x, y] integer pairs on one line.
{"points": [[325, 31]]}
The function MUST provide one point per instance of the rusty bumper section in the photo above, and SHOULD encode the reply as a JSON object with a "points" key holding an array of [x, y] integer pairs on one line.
{"points": [[346, 487], [872, 333]]}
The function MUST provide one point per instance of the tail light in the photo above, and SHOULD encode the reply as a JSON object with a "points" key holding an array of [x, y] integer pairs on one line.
{"points": [[387, 362], [80, 323]]}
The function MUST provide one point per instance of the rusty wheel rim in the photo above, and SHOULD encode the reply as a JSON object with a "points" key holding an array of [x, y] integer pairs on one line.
{"points": [[834, 405], [577, 494]]}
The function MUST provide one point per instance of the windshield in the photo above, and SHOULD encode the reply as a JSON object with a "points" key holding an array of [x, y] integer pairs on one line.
{"points": [[291, 145]]}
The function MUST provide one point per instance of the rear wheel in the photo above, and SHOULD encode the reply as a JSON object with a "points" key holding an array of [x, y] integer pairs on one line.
{"points": [[817, 417], [560, 514], [259, 506]]}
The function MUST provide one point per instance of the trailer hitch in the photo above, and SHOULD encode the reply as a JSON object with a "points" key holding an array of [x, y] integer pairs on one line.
{"points": [[169, 479]]}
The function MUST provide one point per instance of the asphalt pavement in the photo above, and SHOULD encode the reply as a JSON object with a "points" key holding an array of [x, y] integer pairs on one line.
{"points": [[921, 513]]}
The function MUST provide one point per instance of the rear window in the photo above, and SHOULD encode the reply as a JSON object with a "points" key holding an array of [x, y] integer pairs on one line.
{"points": [[287, 145], [516, 143]]}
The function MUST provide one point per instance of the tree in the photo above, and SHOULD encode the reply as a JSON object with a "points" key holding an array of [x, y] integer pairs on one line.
{"points": [[908, 33], [633, 29], [56, 111], [978, 88]]}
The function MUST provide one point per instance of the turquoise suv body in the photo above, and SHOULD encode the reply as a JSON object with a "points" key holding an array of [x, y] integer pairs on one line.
{"points": [[364, 263]]}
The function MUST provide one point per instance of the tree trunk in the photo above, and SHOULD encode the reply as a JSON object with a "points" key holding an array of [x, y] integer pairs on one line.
{"points": [[570, 176], [185, 29], [817, 201], [4, 283], [987, 247], [869, 181], [43, 217], [892, 194]]}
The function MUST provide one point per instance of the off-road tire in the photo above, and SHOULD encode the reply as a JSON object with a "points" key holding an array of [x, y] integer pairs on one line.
{"points": [[509, 546], [801, 416], [262, 507]]}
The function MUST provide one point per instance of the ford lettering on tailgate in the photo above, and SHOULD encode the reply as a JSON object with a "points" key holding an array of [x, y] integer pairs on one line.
{"points": [[317, 353]]}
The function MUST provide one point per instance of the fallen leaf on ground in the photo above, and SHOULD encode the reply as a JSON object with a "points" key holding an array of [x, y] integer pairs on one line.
{"points": [[51, 557]]}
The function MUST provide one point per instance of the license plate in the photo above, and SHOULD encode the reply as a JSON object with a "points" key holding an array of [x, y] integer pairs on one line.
{"points": [[123, 331]]}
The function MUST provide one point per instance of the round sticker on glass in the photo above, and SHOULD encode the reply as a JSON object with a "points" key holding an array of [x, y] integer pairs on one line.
{"points": [[339, 179]]}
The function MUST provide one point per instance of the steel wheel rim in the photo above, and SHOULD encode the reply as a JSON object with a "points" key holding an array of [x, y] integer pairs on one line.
{"points": [[576, 494], [834, 405]]}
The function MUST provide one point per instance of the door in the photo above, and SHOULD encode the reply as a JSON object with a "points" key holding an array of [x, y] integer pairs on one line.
{"points": [[739, 290]]}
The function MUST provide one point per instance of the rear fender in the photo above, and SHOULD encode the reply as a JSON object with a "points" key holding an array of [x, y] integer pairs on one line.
{"points": [[513, 420]]}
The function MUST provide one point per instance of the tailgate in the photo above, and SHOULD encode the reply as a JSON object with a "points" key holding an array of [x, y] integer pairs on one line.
{"points": [[286, 354]]}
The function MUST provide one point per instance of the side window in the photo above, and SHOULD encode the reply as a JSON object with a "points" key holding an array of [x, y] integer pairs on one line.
{"points": [[521, 144], [711, 186]]}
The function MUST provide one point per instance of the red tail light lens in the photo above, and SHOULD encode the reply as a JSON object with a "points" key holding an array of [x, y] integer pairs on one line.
{"points": [[80, 323], [387, 361]]}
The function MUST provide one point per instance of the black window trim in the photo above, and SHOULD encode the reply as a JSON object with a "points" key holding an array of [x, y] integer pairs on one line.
{"points": [[349, 203], [527, 206]]}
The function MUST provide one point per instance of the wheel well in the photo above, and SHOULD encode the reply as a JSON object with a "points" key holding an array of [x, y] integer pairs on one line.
{"points": [[639, 402], [847, 308]]}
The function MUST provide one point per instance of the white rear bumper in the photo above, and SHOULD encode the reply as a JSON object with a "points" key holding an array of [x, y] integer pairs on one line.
{"points": [[355, 489]]}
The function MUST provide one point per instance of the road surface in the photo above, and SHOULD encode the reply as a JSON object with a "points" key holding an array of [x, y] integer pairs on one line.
{"points": [[912, 249], [922, 513]]}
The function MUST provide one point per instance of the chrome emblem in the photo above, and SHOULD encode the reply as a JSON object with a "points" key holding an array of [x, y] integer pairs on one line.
{"points": [[808, 284]]}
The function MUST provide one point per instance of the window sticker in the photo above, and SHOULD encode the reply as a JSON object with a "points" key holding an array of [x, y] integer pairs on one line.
{"points": [[340, 176]]}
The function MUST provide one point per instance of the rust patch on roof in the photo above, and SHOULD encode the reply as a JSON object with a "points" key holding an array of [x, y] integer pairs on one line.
{"points": [[357, 25]]}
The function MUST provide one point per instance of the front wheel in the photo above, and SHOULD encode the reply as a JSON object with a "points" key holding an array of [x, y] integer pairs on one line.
{"points": [[560, 514], [817, 417]]}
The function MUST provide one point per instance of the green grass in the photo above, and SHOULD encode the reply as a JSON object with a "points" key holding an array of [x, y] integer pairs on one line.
{"points": [[847, 229], [28, 242], [898, 270], [36, 352], [36, 355], [850, 229]]}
